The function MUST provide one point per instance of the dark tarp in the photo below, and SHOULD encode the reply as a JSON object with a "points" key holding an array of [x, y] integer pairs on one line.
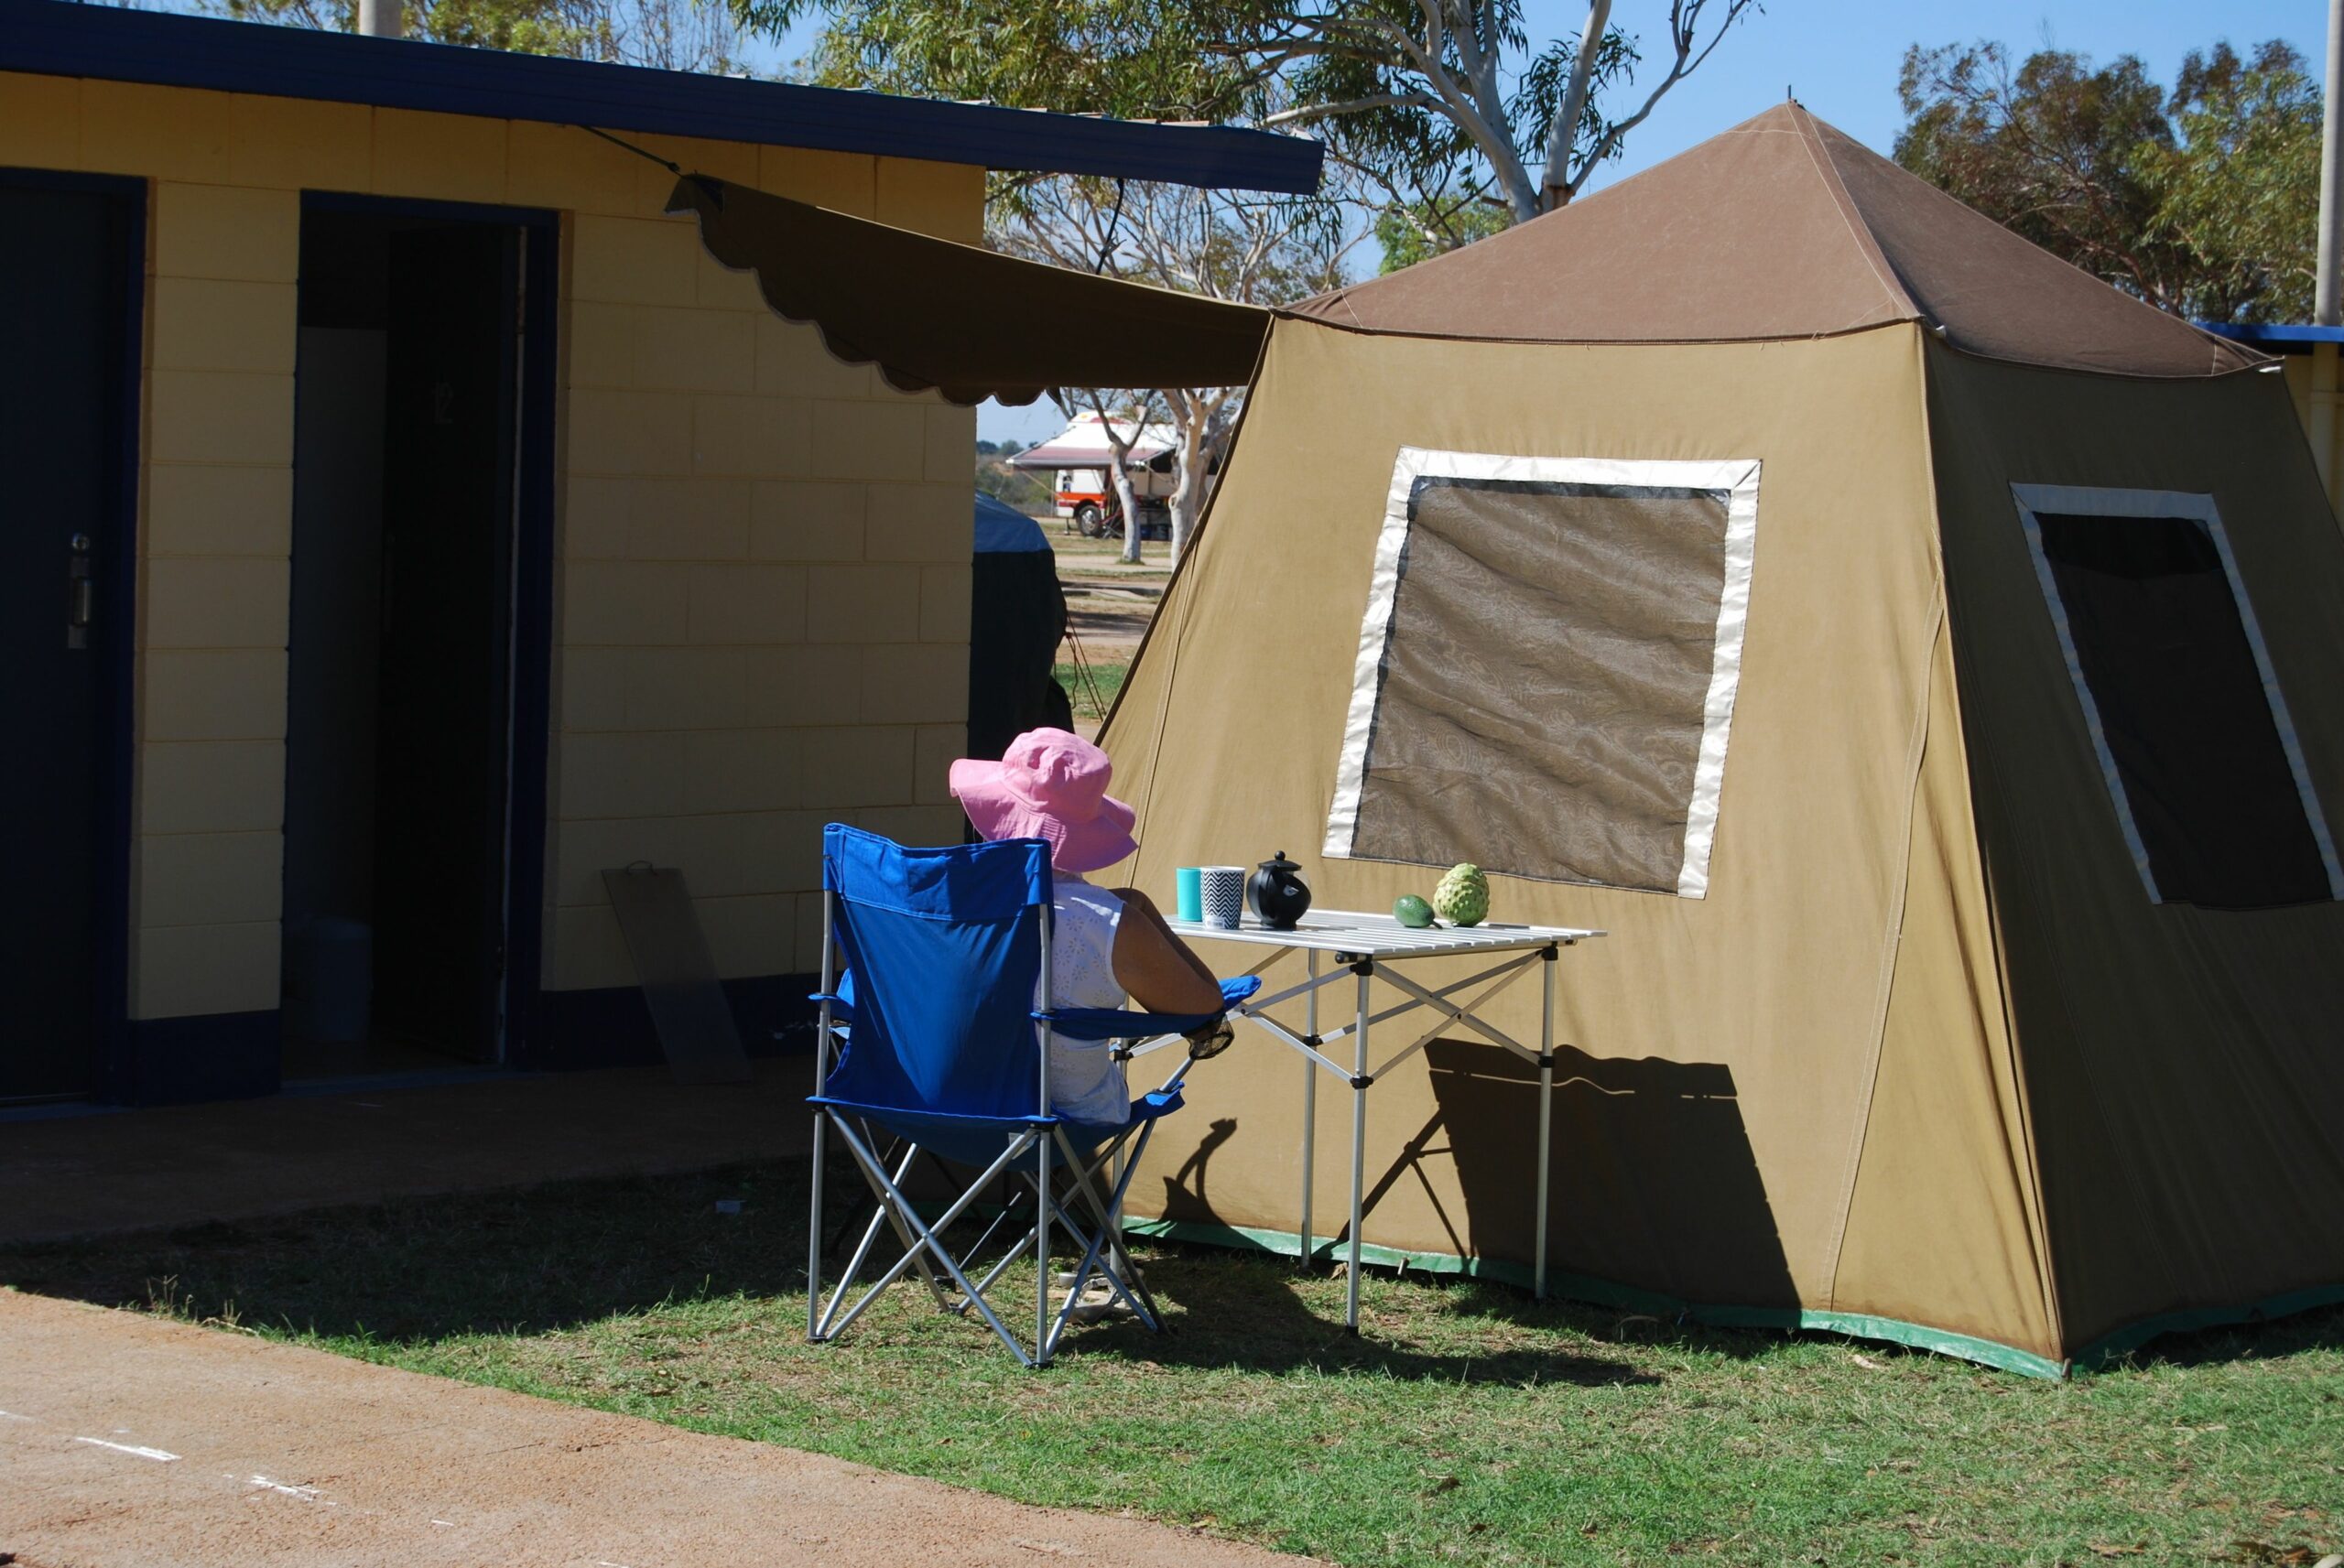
{"points": [[1016, 620], [969, 322]]}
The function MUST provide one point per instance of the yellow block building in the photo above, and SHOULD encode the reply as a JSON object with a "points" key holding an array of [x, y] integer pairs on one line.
{"points": [[406, 522]]}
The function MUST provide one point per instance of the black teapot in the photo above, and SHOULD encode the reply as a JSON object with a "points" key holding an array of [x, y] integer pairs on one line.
{"points": [[1277, 893]]}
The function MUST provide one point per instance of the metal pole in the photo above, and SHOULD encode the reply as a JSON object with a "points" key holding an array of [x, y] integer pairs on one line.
{"points": [[821, 1076], [382, 18], [1545, 1120], [2326, 304], [2328, 307], [1365, 969], [1042, 1172], [1310, 1096]]}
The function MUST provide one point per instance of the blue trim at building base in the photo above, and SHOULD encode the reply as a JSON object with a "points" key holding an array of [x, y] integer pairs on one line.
{"points": [[218, 1055], [610, 1026]]}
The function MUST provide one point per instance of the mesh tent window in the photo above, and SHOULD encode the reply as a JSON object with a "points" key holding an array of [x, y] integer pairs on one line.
{"points": [[1548, 668], [2192, 733]]}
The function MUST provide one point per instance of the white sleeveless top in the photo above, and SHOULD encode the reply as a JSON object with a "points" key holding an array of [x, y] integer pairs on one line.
{"points": [[1086, 1083]]}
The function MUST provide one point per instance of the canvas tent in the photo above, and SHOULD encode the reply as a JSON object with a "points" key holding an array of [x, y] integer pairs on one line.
{"points": [[1919, 657]]}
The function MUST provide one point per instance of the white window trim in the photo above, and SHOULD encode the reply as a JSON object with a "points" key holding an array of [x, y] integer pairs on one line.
{"points": [[2086, 500], [1737, 477]]}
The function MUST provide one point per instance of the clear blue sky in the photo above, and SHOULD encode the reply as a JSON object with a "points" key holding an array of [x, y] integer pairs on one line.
{"points": [[1841, 57]]}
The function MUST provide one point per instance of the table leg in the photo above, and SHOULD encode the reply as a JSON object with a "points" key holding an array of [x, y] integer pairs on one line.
{"points": [[1309, 1097], [1546, 1118], [1359, 1150]]}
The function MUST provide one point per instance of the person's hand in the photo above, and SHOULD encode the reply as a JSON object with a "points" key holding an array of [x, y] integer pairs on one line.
{"points": [[1210, 1041]]}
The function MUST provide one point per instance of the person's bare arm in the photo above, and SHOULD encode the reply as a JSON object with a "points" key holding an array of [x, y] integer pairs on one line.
{"points": [[1159, 970]]}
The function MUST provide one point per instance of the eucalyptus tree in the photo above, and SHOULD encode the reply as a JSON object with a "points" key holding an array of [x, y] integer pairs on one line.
{"points": [[2201, 200], [1249, 250], [1414, 95]]}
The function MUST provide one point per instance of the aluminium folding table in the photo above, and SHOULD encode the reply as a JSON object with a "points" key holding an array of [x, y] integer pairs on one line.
{"points": [[1369, 948]]}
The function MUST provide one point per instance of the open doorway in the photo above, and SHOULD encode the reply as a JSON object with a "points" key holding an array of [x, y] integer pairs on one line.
{"points": [[408, 494]]}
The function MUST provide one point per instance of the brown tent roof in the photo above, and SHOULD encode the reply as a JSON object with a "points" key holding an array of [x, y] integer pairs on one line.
{"points": [[1782, 227]]}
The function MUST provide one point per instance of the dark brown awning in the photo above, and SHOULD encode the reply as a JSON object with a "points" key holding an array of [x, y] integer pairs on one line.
{"points": [[970, 323]]}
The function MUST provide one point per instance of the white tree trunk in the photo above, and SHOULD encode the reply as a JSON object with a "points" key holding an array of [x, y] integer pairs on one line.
{"points": [[1195, 416], [1129, 501], [1564, 130]]}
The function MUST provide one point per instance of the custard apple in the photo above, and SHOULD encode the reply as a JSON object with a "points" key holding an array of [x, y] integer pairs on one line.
{"points": [[1463, 896]]}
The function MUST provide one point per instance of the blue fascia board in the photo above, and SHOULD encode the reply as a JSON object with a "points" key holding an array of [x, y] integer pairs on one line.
{"points": [[2271, 335], [62, 37]]}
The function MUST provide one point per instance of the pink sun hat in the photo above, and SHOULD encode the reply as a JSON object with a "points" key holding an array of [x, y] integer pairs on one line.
{"points": [[1052, 785]]}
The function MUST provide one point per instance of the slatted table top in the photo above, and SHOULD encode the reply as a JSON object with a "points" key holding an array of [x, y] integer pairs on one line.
{"points": [[1380, 936]]}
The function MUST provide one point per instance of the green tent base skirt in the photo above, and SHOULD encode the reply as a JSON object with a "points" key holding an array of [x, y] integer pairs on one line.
{"points": [[2108, 1348]]}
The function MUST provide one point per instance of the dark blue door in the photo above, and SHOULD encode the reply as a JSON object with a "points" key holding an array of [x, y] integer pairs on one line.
{"points": [[63, 317]]}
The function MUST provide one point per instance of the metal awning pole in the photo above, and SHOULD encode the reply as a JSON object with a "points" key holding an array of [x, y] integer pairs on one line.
{"points": [[2319, 424]]}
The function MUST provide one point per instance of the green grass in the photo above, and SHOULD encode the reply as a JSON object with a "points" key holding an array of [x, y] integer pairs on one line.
{"points": [[1107, 678], [1467, 1425]]}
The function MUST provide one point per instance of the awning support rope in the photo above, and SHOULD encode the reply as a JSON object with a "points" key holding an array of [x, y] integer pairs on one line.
{"points": [[674, 168]]}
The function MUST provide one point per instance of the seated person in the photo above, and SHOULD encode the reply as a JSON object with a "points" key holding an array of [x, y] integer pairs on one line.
{"points": [[1106, 946]]}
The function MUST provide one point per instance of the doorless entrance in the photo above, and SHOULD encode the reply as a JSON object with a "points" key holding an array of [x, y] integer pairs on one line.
{"points": [[69, 254], [401, 806]]}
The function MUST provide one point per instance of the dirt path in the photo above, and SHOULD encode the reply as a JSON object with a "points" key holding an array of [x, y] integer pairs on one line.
{"points": [[126, 1439]]}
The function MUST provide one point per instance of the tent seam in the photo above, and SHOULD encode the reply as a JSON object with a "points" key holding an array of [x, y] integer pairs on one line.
{"points": [[1884, 272], [1181, 569], [1916, 750], [1894, 941], [2026, 1169]]}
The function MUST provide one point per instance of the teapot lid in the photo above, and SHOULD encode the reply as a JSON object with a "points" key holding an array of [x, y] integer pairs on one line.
{"points": [[1279, 863]]}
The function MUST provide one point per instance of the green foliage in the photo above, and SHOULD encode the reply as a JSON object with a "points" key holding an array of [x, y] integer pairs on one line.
{"points": [[1465, 1424], [1014, 487], [1422, 230], [2202, 202], [675, 35], [1416, 99]]}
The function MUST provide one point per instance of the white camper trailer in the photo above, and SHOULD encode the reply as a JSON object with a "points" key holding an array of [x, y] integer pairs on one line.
{"points": [[1079, 459]]}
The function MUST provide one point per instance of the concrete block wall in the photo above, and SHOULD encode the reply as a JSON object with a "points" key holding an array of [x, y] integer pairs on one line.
{"points": [[762, 577]]}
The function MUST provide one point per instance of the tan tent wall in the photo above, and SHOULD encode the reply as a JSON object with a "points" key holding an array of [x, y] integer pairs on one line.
{"points": [[2182, 1066], [1724, 1051]]}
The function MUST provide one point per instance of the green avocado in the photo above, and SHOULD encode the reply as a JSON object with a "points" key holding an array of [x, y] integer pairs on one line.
{"points": [[1410, 910]]}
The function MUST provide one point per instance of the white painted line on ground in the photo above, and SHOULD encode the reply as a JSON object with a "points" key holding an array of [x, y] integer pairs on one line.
{"points": [[445, 1523], [12, 1415], [306, 1494], [127, 1448]]}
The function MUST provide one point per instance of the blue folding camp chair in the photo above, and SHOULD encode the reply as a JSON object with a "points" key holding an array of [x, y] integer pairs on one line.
{"points": [[933, 961]]}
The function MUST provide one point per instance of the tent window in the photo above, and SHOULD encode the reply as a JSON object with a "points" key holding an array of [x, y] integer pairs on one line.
{"points": [[1548, 668], [2200, 758]]}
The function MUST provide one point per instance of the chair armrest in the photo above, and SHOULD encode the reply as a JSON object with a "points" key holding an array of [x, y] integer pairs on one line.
{"points": [[1115, 1023]]}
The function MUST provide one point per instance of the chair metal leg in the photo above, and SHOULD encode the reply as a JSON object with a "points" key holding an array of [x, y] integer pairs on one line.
{"points": [[1042, 1253], [1122, 1273], [876, 1173], [814, 1237], [879, 1216]]}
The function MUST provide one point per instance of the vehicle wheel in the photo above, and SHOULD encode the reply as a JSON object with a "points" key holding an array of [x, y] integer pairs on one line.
{"points": [[1089, 522]]}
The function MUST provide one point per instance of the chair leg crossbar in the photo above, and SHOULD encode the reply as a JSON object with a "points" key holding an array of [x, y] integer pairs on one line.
{"points": [[1068, 1194]]}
